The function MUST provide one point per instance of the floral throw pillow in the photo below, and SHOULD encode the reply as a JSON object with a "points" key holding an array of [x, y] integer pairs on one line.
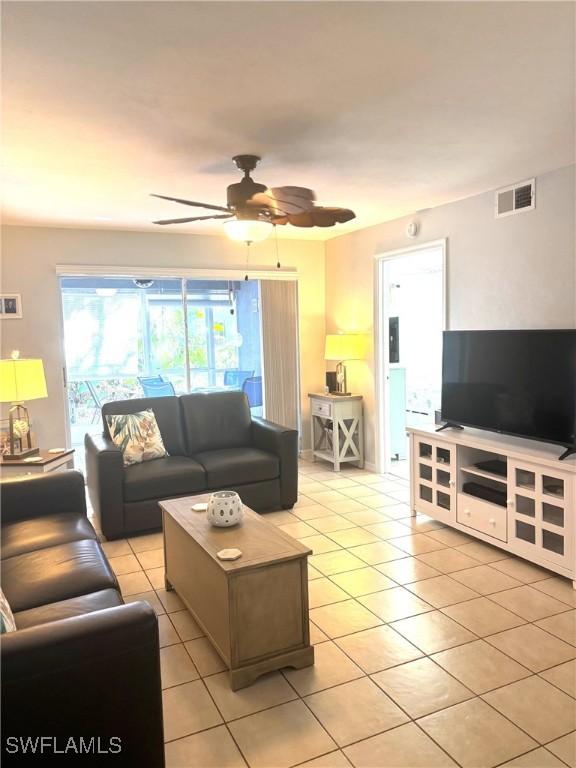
{"points": [[7, 623], [137, 435]]}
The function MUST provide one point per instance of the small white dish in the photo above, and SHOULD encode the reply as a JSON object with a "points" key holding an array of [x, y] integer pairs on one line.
{"points": [[229, 554], [202, 507], [33, 459], [56, 450]]}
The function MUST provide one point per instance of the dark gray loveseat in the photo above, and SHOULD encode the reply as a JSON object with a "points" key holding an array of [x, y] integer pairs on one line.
{"points": [[213, 443], [81, 663]]}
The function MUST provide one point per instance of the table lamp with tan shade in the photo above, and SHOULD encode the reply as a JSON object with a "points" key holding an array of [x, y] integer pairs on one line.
{"points": [[20, 379], [341, 347]]}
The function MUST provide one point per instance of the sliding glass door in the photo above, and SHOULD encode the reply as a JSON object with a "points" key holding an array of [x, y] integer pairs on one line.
{"points": [[126, 338], [225, 339], [162, 343], [224, 336]]}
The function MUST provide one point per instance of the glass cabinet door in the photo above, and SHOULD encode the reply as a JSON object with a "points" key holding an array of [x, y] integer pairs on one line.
{"points": [[434, 478], [538, 520]]}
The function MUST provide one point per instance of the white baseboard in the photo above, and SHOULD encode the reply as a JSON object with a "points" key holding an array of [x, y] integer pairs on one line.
{"points": [[307, 455]]}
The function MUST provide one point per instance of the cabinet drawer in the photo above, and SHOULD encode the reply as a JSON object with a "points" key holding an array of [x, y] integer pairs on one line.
{"points": [[482, 516], [322, 408]]}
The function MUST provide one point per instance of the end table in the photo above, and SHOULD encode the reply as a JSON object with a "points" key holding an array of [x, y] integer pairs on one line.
{"points": [[337, 428], [46, 462]]}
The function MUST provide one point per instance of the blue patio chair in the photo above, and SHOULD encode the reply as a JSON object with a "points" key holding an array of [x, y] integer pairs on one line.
{"points": [[252, 387], [150, 379], [157, 388], [234, 378]]}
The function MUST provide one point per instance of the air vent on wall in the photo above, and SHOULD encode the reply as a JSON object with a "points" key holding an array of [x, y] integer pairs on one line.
{"points": [[515, 199]]}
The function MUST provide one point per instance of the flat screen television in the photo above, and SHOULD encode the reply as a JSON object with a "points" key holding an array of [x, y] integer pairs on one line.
{"points": [[514, 382]]}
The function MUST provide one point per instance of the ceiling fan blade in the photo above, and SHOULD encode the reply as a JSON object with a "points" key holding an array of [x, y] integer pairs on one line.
{"points": [[193, 203], [317, 217], [296, 219], [284, 199], [194, 218], [340, 215]]}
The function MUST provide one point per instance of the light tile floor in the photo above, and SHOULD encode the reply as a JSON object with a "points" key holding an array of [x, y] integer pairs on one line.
{"points": [[432, 649]]}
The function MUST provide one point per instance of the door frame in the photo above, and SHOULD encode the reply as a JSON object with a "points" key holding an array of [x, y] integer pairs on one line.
{"points": [[381, 341]]}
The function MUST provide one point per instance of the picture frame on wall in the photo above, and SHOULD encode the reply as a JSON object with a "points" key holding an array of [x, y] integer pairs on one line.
{"points": [[10, 306]]}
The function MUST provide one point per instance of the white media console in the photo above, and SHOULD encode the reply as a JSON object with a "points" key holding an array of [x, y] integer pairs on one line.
{"points": [[532, 506]]}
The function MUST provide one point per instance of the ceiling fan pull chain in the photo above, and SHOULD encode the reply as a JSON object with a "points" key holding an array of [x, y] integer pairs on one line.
{"points": [[247, 258], [276, 242]]}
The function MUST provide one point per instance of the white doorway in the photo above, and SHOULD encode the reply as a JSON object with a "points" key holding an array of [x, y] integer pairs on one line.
{"points": [[411, 315]]}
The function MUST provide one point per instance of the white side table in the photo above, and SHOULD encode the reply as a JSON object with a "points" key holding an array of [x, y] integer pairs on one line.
{"points": [[337, 428]]}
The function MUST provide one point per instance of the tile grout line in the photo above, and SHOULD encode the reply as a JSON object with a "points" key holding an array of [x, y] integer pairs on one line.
{"points": [[519, 727], [217, 725], [358, 741], [529, 752]]}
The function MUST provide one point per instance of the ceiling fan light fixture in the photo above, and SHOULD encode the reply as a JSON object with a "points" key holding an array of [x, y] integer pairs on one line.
{"points": [[248, 230]]}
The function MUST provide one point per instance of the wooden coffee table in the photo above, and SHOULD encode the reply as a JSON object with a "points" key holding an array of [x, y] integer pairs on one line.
{"points": [[254, 610]]}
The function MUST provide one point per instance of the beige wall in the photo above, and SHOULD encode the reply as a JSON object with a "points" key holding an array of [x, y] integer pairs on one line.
{"points": [[29, 258], [513, 272]]}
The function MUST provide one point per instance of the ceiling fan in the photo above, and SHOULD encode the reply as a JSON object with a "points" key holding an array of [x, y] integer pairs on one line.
{"points": [[252, 209]]}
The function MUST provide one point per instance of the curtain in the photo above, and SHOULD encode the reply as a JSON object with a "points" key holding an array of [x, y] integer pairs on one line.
{"points": [[279, 312]]}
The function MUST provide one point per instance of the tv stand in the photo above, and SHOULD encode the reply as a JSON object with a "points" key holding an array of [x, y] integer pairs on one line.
{"points": [[526, 506], [568, 452], [449, 425]]}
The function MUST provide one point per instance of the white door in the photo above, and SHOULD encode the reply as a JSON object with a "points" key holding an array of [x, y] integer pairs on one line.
{"points": [[411, 318]]}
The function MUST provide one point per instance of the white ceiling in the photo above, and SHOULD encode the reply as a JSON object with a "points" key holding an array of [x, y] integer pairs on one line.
{"points": [[383, 107]]}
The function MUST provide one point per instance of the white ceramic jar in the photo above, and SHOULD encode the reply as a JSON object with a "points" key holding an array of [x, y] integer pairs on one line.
{"points": [[225, 509]]}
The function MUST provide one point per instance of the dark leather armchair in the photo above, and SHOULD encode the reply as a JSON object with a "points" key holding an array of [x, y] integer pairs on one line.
{"points": [[81, 662], [213, 442]]}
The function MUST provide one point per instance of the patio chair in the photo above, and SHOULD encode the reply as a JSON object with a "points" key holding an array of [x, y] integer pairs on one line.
{"points": [[151, 379], [252, 388], [155, 388], [234, 378]]}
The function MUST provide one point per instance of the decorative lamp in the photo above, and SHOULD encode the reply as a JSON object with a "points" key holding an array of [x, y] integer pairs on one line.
{"points": [[20, 380], [225, 508], [340, 347]]}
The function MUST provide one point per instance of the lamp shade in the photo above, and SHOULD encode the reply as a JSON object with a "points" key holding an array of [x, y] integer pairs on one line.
{"points": [[22, 380], [344, 346], [248, 230]]}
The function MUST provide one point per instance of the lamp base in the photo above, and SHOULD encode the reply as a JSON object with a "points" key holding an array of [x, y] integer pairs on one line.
{"points": [[341, 379], [21, 455]]}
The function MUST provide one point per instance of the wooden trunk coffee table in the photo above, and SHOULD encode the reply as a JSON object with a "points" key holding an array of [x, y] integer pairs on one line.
{"points": [[254, 610]]}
